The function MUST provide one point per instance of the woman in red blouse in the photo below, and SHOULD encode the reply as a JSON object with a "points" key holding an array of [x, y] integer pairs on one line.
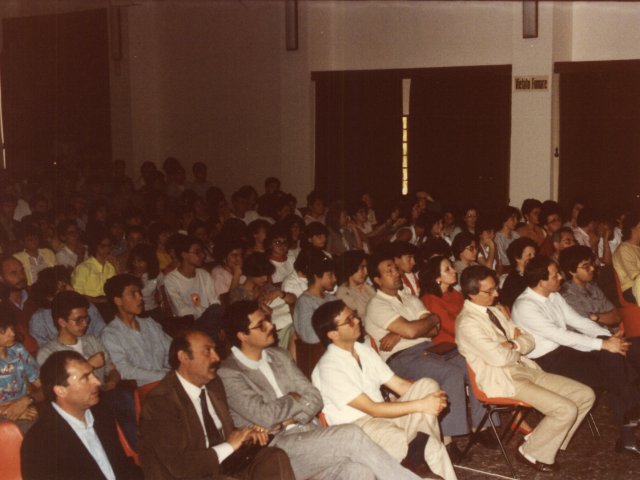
{"points": [[437, 279]]}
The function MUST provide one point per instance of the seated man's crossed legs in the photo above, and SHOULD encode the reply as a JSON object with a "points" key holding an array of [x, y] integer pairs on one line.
{"points": [[395, 434]]}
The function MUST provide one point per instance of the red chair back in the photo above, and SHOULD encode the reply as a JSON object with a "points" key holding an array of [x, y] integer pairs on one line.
{"points": [[629, 312], [139, 395], [480, 395], [128, 451], [621, 299], [10, 441], [323, 420]]}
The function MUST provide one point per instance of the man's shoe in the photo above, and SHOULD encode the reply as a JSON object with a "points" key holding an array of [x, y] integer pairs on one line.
{"points": [[632, 449], [487, 439], [539, 466], [420, 469]]}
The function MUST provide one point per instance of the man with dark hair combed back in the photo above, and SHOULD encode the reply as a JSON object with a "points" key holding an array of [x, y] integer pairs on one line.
{"points": [[76, 436]]}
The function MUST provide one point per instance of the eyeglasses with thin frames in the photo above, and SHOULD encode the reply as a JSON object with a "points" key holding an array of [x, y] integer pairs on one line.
{"points": [[351, 320], [263, 324], [491, 291]]}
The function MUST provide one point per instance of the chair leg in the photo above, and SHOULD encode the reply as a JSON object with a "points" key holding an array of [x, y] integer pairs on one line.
{"points": [[504, 453], [511, 432], [472, 437], [593, 426]]}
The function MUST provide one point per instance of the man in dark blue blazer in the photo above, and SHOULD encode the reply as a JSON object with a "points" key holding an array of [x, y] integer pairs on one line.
{"points": [[75, 438]]}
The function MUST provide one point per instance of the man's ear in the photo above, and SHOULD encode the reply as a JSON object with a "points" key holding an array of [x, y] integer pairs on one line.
{"points": [[117, 301], [332, 335], [182, 356], [60, 391]]}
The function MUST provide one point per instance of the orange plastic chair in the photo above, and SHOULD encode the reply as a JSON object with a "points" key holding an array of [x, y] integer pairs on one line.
{"points": [[629, 312], [139, 394], [128, 451], [11, 441], [323, 420], [497, 405]]}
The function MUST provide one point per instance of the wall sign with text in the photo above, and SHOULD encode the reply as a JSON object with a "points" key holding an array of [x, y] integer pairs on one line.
{"points": [[531, 83]]}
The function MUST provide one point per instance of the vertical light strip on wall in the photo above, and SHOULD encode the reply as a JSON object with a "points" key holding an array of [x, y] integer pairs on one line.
{"points": [[406, 88], [4, 150]]}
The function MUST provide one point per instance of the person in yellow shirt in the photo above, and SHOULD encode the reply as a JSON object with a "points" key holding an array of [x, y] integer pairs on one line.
{"points": [[89, 277]]}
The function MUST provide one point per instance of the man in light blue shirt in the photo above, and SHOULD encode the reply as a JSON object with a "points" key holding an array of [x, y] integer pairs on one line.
{"points": [[75, 438], [138, 347]]}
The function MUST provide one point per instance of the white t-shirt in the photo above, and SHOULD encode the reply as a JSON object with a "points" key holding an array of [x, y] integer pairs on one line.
{"points": [[383, 309], [283, 269], [190, 296], [340, 380], [295, 284]]}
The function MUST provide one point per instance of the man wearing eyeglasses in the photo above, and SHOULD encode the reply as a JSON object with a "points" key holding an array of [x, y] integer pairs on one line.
{"points": [[349, 376], [569, 344], [581, 292], [495, 350], [264, 387]]}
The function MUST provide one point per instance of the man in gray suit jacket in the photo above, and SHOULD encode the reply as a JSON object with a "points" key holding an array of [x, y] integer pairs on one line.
{"points": [[186, 430], [264, 387]]}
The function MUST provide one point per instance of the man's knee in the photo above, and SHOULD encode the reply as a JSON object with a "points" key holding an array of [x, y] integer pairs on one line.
{"points": [[348, 432], [356, 471], [566, 411], [426, 386]]}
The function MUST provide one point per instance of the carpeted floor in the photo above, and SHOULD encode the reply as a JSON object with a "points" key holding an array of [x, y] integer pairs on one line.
{"points": [[587, 458]]}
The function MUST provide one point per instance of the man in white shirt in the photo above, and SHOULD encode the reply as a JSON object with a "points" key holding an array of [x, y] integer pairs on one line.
{"points": [[576, 347], [264, 387], [404, 258], [494, 348], [190, 287], [76, 437], [349, 376], [185, 426], [402, 328]]}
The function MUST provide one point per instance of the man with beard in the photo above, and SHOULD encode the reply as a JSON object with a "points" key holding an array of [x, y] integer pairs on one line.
{"points": [[14, 281], [75, 437], [264, 387], [186, 430], [138, 347]]}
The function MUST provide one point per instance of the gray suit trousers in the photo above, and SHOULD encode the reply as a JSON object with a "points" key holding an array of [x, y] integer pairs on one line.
{"points": [[340, 452]]}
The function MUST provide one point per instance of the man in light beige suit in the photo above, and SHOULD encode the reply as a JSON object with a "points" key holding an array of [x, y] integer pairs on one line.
{"points": [[495, 349]]}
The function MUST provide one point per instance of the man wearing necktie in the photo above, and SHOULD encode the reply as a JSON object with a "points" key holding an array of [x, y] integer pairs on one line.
{"points": [[495, 350], [186, 429]]}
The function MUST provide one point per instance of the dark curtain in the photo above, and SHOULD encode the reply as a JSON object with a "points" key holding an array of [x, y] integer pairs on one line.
{"points": [[459, 135], [55, 89], [359, 136], [600, 137]]}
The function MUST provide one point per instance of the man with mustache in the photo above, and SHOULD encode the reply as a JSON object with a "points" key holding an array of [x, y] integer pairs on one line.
{"points": [[75, 437], [265, 387], [186, 430]]}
